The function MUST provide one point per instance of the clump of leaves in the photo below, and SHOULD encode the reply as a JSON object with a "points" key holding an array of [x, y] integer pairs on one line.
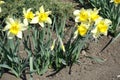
{"points": [[111, 11]]}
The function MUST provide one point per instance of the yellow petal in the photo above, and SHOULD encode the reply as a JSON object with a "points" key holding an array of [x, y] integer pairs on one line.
{"points": [[41, 24], [24, 11], [6, 27], [108, 22], [77, 19], [84, 15], [42, 9], [37, 13], [35, 20], [95, 33], [49, 20], [98, 20], [82, 29], [10, 20], [19, 35], [48, 12], [23, 27], [76, 12], [25, 21], [29, 10]]}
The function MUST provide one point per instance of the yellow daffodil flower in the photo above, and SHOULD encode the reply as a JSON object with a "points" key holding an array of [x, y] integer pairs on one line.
{"points": [[101, 27], [116, 2], [93, 15], [15, 28], [82, 29], [81, 15], [28, 15], [42, 17]]}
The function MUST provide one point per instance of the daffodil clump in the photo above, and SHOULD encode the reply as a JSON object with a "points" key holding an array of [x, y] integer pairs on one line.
{"points": [[86, 18], [45, 48], [15, 26]]}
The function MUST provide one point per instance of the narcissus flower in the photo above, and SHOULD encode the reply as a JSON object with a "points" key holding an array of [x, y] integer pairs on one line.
{"points": [[81, 15], [102, 27], [42, 17], [28, 15], [82, 29], [116, 2], [93, 14], [15, 28]]}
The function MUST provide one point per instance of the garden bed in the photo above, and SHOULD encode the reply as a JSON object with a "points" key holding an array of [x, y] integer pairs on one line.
{"points": [[87, 69], [95, 62]]}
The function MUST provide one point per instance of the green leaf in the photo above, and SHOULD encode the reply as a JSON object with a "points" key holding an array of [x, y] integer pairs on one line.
{"points": [[29, 52], [64, 62], [114, 39], [95, 59], [11, 69], [45, 67], [31, 64], [10, 58], [81, 1], [11, 44]]}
